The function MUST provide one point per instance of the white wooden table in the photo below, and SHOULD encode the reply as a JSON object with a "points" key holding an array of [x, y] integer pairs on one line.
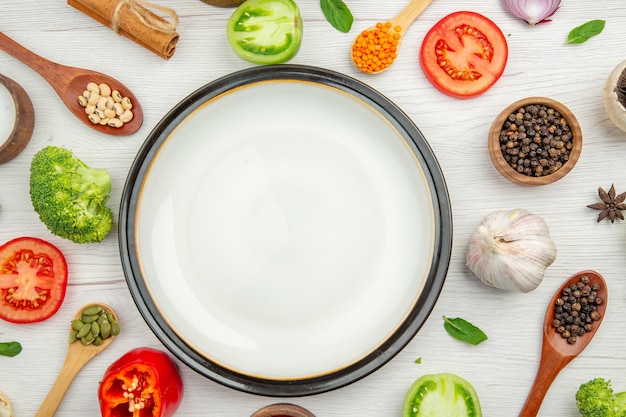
{"points": [[501, 369]]}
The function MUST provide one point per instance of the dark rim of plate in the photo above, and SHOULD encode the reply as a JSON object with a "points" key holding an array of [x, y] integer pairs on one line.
{"points": [[405, 331]]}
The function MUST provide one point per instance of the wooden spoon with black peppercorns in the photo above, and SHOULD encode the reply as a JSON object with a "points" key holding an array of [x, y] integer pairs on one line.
{"points": [[559, 349]]}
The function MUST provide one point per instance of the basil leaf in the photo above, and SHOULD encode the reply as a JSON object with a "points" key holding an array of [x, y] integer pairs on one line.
{"points": [[585, 31], [337, 14], [10, 348], [464, 330]]}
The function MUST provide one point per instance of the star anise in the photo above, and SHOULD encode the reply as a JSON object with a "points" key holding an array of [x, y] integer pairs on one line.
{"points": [[611, 206]]}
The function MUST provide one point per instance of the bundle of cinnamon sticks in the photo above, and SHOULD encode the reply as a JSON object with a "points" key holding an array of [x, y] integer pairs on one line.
{"points": [[132, 19]]}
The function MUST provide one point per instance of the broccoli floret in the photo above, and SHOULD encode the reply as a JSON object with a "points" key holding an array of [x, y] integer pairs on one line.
{"points": [[69, 196], [596, 398]]}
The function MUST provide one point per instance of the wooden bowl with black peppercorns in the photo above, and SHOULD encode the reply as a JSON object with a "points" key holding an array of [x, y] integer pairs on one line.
{"points": [[535, 141]]}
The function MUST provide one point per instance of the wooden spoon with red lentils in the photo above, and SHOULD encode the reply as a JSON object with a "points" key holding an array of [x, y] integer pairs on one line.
{"points": [[375, 49], [573, 317]]}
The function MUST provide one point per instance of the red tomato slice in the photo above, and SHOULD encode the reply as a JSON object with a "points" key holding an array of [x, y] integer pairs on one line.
{"points": [[33, 280], [464, 54]]}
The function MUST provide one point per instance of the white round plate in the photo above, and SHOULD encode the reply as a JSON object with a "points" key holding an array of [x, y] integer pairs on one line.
{"points": [[282, 228]]}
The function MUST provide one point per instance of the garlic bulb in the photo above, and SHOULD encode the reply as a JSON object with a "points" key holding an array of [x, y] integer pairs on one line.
{"points": [[5, 406], [511, 250], [614, 95]]}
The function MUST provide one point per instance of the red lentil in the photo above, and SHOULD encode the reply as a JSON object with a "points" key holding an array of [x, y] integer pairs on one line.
{"points": [[375, 49]]}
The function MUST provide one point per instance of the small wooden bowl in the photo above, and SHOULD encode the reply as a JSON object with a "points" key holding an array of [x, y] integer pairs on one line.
{"points": [[503, 167], [224, 3], [283, 410], [24, 121]]}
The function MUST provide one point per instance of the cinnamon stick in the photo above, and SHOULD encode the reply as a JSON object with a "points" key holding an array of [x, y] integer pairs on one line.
{"points": [[131, 24]]}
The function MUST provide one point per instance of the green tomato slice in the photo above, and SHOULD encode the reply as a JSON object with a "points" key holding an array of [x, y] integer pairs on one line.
{"points": [[439, 395], [265, 31]]}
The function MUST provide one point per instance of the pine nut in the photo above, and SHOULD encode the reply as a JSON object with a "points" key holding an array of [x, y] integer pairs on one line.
{"points": [[105, 106], [105, 90], [93, 87], [93, 98], [127, 116], [126, 103], [115, 122], [102, 103], [94, 118], [117, 96]]}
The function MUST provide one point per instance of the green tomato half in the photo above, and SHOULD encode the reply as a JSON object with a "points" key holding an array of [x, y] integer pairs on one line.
{"points": [[439, 395], [265, 31]]}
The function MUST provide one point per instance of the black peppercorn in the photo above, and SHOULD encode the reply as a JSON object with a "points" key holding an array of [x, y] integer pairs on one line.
{"points": [[537, 124], [575, 310]]}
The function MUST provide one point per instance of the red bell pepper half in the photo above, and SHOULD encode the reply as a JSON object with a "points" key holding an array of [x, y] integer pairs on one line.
{"points": [[142, 383]]}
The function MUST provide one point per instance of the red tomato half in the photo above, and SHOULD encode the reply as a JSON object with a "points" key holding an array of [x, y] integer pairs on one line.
{"points": [[33, 280], [464, 54]]}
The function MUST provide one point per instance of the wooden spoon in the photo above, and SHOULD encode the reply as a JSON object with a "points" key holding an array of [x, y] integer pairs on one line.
{"points": [[556, 352], [77, 356], [70, 82], [403, 20]]}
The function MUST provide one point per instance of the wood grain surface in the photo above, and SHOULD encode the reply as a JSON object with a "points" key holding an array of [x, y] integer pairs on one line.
{"points": [[502, 369]]}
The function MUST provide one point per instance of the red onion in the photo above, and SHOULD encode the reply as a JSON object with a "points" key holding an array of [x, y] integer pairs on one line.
{"points": [[532, 11]]}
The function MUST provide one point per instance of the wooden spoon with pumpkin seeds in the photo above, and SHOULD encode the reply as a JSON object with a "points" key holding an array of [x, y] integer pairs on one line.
{"points": [[79, 352]]}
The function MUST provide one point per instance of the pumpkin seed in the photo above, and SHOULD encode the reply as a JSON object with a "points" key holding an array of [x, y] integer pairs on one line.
{"points": [[92, 310], [115, 328], [95, 328], [83, 330], [87, 339], [88, 319], [105, 329]]}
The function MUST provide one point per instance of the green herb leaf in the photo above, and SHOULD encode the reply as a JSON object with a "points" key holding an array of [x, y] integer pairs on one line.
{"points": [[337, 14], [585, 31], [418, 360], [10, 348], [464, 330]]}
